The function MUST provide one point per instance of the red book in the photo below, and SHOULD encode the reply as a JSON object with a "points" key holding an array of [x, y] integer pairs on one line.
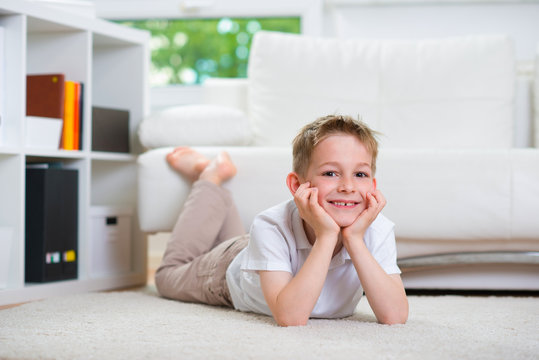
{"points": [[45, 95]]}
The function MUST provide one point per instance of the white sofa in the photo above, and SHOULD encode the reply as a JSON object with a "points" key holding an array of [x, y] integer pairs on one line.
{"points": [[464, 198]]}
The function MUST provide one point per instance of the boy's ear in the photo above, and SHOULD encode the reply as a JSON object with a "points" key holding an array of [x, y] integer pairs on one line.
{"points": [[374, 182], [293, 182]]}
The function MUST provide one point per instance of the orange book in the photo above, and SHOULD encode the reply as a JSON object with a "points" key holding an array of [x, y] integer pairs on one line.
{"points": [[68, 131], [76, 115]]}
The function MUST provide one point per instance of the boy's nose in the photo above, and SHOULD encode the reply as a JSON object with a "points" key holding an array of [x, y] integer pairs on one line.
{"points": [[346, 185]]}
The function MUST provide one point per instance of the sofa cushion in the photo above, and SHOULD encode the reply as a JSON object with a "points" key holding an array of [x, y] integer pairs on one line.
{"points": [[444, 93], [447, 194], [194, 125]]}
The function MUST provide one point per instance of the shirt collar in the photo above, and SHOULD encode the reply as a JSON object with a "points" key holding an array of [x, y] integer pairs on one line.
{"points": [[340, 258], [299, 232], [302, 243]]}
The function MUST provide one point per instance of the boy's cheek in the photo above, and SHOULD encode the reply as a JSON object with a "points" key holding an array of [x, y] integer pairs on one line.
{"points": [[321, 200], [370, 189]]}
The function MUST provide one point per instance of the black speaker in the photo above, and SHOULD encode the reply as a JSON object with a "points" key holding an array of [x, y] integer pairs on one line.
{"points": [[51, 224]]}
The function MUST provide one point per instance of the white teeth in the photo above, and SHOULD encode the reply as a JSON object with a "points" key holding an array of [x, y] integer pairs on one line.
{"points": [[343, 203]]}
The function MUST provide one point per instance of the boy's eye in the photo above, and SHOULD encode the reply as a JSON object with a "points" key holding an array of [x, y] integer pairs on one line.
{"points": [[362, 174], [329, 173]]}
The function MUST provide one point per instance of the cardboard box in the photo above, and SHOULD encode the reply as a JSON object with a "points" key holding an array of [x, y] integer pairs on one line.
{"points": [[110, 240], [43, 133]]}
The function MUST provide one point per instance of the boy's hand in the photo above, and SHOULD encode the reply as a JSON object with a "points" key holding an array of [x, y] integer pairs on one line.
{"points": [[306, 199], [375, 203]]}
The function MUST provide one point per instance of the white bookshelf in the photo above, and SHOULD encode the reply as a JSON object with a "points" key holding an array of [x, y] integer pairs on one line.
{"points": [[112, 62]]}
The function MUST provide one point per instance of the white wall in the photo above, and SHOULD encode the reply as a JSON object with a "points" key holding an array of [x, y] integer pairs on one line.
{"points": [[394, 19]]}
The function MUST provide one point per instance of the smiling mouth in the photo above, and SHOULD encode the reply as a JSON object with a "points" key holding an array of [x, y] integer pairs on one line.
{"points": [[344, 203]]}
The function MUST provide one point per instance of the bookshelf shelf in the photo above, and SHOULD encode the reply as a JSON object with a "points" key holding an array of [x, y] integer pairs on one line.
{"points": [[6, 150], [96, 155], [112, 62], [67, 154]]}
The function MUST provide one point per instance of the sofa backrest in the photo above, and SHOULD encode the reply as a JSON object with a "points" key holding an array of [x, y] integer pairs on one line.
{"points": [[438, 93]]}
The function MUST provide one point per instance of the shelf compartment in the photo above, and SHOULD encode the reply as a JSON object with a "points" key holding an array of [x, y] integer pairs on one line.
{"points": [[65, 52], [113, 183], [59, 49], [118, 83], [82, 166], [12, 104]]}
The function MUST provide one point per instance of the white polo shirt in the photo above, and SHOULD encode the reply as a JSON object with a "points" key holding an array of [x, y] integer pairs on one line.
{"points": [[278, 243]]}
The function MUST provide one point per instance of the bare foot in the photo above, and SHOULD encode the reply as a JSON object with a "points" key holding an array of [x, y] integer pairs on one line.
{"points": [[187, 162], [219, 170]]}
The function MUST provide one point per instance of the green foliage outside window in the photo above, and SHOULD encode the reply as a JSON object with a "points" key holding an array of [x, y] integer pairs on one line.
{"points": [[187, 51]]}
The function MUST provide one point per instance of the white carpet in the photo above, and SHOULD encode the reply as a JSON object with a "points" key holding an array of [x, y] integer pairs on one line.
{"points": [[140, 325]]}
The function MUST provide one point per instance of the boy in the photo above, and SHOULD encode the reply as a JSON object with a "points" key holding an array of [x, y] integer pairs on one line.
{"points": [[312, 256]]}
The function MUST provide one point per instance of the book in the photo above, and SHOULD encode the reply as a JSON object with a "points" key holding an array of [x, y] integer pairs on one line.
{"points": [[45, 95], [73, 110], [81, 114], [68, 130], [110, 129], [76, 117]]}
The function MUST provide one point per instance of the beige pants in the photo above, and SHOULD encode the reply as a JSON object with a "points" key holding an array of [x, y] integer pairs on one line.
{"points": [[206, 238]]}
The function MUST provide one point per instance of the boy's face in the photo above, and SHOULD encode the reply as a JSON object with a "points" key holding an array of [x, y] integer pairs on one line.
{"points": [[340, 168]]}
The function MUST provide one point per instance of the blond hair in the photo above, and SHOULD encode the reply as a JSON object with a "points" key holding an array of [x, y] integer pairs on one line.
{"points": [[312, 134]]}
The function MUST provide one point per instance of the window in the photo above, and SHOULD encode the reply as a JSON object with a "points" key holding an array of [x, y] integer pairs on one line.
{"points": [[165, 91], [187, 51]]}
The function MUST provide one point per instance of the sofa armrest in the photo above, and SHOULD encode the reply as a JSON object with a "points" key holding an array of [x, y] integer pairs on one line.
{"points": [[259, 184]]}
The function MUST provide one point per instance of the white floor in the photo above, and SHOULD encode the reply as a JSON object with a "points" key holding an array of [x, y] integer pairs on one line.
{"points": [[140, 325]]}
